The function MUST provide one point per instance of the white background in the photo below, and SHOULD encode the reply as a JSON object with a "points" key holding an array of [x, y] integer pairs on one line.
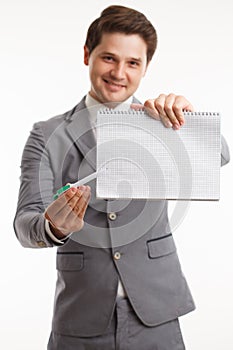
{"points": [[42, 74]]}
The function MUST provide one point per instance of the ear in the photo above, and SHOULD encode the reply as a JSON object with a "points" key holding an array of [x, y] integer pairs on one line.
{"points": [[86, 55]]}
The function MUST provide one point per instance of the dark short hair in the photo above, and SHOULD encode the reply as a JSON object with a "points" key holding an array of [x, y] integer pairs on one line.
{"points": [[121, 19]]}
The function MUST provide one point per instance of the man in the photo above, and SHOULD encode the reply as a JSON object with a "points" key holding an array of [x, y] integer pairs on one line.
{"points": [[107, 297]]}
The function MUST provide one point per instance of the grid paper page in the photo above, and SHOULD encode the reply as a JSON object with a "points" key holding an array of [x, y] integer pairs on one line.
{"points": [[140, 158]]}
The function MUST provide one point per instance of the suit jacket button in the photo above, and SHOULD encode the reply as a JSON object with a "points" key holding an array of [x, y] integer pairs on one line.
{"points": [[112, 216], [117, 256], [41, 244]]}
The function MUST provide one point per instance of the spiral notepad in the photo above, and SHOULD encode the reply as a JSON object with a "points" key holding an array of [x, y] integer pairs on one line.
{"points": [[140, 158]]}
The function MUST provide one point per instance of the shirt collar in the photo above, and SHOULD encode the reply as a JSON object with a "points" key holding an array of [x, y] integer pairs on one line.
{"points": [[93, 106]]}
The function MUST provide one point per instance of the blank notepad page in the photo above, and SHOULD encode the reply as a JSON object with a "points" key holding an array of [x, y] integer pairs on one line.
{"points": [[140, 158]]}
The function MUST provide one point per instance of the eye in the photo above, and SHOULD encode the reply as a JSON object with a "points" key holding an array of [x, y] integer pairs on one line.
{"points": [[108, 58], [134, 63]]}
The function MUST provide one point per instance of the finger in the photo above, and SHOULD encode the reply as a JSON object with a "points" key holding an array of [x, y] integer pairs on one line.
{"points": [[66, 216], [60, 219], [75, 202], [176, 119], [55, 207], [137, 106], [61, 201], [75, 218], [68, 202], [159, 104], [83, 210], [181, 103], [78, 192], [82, 203], [58, 211], [151, 109]]}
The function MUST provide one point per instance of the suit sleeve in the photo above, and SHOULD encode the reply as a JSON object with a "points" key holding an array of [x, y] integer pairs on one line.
{"points": [[35, 194], [225, 154]]}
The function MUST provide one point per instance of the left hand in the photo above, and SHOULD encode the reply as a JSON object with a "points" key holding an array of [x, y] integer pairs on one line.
{"points": [[167, 108]]}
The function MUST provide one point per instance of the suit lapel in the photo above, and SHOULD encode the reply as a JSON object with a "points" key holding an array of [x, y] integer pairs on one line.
{"points": [[82, 134]]}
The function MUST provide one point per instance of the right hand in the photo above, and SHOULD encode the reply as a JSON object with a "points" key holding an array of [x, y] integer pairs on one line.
{"points": [[66, 213]]}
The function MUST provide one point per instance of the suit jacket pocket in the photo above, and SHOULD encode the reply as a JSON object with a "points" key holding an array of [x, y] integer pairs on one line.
{"points": [[70, 261], [161, 246]]}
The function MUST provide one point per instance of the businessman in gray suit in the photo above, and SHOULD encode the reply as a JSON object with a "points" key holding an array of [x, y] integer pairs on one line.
{"points": [[108, 295]]}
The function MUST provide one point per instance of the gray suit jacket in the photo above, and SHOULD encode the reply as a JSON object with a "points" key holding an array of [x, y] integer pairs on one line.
{"points": [[90, 262]]}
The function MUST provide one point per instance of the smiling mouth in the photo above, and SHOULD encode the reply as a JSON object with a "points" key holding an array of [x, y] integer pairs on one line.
{"points": [[109, 82]]}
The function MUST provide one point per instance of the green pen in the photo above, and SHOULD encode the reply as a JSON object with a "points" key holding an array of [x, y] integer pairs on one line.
{"points": [[76, 184]]}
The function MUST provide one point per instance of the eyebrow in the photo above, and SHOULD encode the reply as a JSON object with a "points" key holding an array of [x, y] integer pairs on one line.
{"points": [[114, 55]]}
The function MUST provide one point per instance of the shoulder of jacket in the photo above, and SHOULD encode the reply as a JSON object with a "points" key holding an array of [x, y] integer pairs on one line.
{"points": [[57, 119], [54, 122]]}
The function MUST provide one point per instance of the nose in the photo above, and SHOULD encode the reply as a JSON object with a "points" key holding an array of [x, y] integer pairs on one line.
{"points": [[118, 71]]}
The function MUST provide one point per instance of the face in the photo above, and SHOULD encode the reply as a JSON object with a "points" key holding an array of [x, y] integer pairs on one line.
{"points": [[116, 66]]}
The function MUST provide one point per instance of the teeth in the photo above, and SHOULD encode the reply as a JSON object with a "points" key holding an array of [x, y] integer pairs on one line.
{"points": [[115, 84], [112, 83]]}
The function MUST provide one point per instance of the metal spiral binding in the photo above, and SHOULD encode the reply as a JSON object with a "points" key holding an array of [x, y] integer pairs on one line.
{"points": [[202, 114], [124, 111], [141, 111]]}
